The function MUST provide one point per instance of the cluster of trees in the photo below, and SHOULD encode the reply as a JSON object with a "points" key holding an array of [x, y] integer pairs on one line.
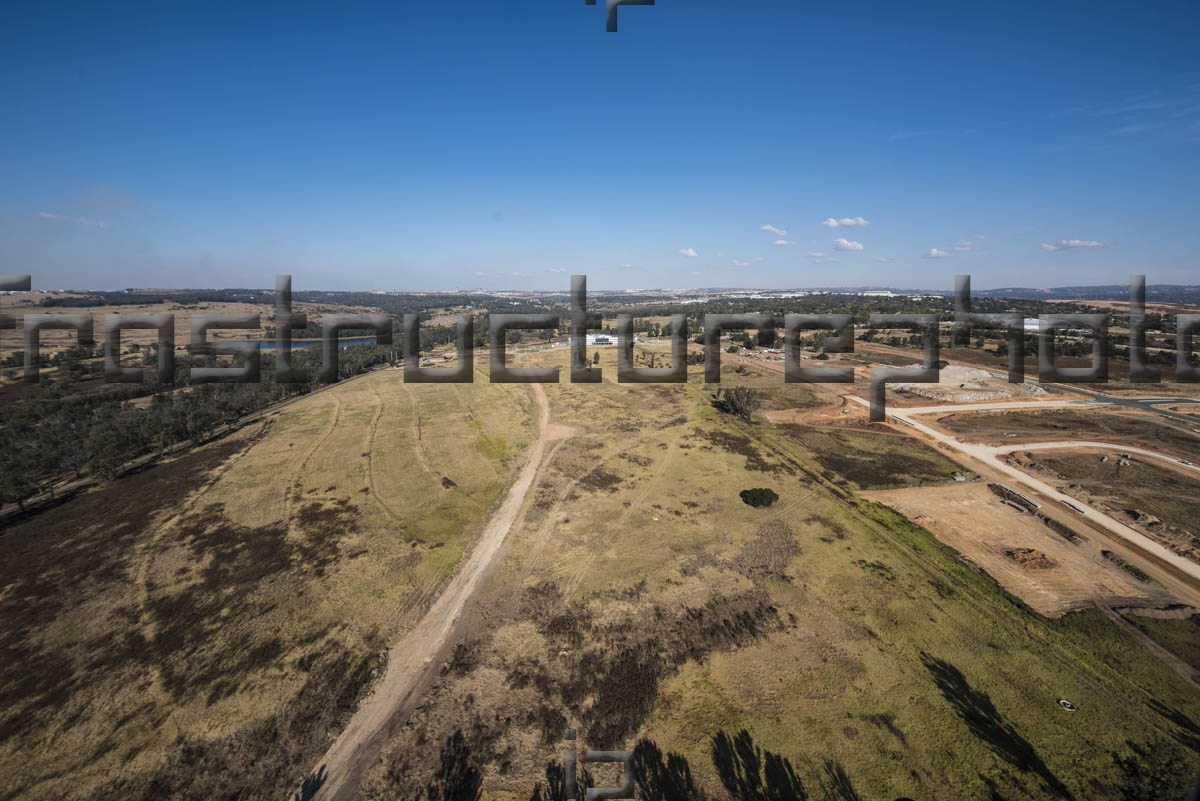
{"points": [[64, 431], [741, 402], [186, 297], [77, 363]]}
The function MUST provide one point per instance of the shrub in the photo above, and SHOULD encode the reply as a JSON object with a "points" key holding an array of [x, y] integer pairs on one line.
{"points": [[742, 402], [759, 496]]}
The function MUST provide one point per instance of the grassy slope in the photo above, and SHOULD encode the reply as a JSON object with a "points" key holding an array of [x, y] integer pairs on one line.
{"points": [[243, 623], [639, 567], [1179, 636]]}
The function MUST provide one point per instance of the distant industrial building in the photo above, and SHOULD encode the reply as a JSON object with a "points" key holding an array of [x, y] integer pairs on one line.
{"points": [[601, 340]]}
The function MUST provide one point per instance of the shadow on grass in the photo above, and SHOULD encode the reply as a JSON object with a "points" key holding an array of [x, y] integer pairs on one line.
{"points": [[976, 709], [751, 774], [659, 779]]}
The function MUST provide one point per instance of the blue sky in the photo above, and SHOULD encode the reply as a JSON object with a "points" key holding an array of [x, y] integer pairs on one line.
{"points": [[506, 145]]}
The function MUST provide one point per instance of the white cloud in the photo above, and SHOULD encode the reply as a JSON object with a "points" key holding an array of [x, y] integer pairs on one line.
{"points": [[772, 229], [480, 275], [884, 260], [1073, 244], [841, 243], [963, 247], [934, 253], [783, 243], [45, 215], [557, 270], [815, 254], [845, 222], [689, 252], [740, 263], [980, 237], [695, 272]]}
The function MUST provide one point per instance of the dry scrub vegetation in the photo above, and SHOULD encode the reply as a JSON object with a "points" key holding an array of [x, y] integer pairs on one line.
{"points": [[163, 641], [201, 629], [642, 600]]}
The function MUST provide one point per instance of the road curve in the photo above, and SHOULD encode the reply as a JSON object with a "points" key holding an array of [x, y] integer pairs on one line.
{"points": [[413, 656], [1070, 443], [990, 455]]}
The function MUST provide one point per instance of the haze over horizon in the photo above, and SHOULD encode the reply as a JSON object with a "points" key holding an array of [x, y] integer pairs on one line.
{"points": [[150, 146]]}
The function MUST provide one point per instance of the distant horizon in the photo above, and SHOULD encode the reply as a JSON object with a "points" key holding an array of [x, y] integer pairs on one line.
{"points": [[834, 289], [704, 144]]}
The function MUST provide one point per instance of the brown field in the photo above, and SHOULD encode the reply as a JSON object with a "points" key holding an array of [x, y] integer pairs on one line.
{"points": [[1045, 570], [56, 339], [874, 458], [1190, 409], [1157, 500], [1094, 424]]}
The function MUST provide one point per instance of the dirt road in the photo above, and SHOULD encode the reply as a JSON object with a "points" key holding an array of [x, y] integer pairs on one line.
{"points": [[1178, 464], [989, 455], [414, 655]]}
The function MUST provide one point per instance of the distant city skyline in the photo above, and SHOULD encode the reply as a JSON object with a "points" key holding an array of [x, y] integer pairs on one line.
{"points": [[760, 145]]}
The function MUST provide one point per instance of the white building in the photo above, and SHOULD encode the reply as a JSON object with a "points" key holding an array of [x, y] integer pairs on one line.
{"points": [[598, 340]]}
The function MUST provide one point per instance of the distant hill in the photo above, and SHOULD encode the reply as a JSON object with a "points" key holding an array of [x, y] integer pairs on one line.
{"points": [[1160, 293]]}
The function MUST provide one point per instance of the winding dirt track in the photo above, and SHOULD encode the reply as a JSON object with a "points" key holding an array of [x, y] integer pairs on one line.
{"points": [[411, 659]]}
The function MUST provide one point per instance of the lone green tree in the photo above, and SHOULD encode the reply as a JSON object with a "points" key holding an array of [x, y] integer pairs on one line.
{"points": [[742, 402], [759, 496]]}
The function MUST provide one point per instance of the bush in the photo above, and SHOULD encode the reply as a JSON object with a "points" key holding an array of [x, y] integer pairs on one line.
{"points": [[742, 402], [759, 496]]}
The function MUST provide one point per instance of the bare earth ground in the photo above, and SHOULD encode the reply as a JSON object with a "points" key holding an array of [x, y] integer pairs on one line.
{"points": [[1098, 423], [971, 519], [1154, 497]]}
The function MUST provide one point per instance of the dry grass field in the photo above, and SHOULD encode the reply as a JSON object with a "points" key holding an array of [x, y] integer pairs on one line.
{"points": [[1180, 635], [202, 628], [639, 597]]}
